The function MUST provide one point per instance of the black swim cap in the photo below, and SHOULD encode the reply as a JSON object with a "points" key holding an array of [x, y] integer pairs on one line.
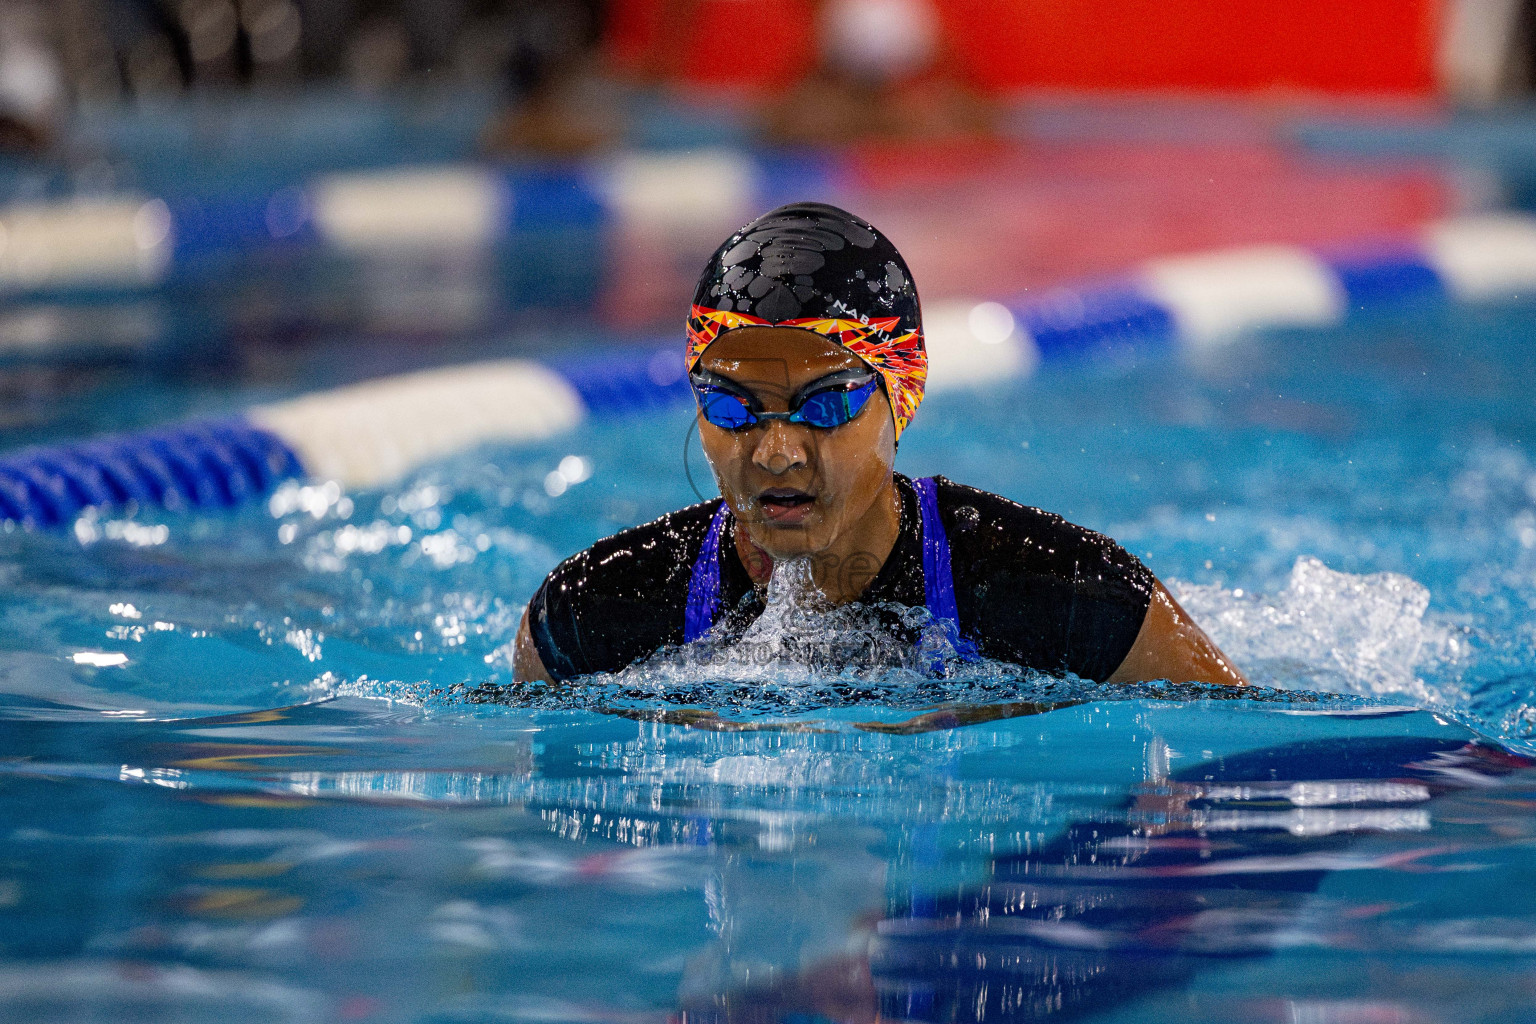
{"points": [[818, 268]]}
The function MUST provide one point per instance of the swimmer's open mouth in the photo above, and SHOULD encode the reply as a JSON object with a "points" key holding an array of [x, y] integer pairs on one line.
{"points": [[785, 505]]}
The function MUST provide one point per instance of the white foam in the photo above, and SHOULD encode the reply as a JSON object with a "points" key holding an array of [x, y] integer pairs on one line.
{"points": [[800, 640], [1328, 630], [797, 636]]}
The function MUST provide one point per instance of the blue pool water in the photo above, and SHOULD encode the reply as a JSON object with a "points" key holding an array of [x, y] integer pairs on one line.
{"points": [[270, 766]]}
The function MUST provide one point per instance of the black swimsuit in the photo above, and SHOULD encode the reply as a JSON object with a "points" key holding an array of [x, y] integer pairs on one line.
{"points": [[1030, 588]]}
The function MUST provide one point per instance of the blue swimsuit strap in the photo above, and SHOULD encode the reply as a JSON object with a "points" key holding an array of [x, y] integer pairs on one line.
{"points": [[704, 585], [938, 577]]}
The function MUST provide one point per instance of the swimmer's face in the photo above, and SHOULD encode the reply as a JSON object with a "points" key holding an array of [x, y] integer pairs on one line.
{"points": [[798, 489]]}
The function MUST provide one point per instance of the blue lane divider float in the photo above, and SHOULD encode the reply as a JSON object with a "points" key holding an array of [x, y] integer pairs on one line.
{"points": [[202, 464], [371, 434]]}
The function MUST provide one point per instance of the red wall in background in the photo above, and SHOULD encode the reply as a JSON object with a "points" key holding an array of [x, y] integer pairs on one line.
{"points": [[1353, 46], [1336, 46], [751, 45]]}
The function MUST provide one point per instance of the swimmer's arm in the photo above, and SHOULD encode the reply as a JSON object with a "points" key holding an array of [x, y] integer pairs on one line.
{"points": [[1170, 646], [954, 716], [527, 666]]}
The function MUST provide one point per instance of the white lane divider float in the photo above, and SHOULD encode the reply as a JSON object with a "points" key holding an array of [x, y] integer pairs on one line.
{"points": [[973, 343], [370, 434], [1484, 257], [708, 191], [411, 210], [113, 243], [1220, 295]]}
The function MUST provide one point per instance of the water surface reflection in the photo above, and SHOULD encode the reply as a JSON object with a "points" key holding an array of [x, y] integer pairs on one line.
{"points": [[355, 859]]}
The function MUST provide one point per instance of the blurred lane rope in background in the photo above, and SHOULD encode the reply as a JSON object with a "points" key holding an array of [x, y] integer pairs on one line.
{"points": [[298, 193], [372, 434], [449, 170], [416, 184]]}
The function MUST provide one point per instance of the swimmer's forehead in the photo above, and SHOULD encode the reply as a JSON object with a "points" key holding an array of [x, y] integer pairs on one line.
{"points": [[785, 355]]}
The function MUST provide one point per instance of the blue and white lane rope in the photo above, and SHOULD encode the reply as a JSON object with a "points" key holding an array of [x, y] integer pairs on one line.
{"points": [[131, 242], [371, 434]]}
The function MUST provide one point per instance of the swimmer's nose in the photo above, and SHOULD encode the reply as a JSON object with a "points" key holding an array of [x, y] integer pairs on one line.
{"points": [[781, 448]]}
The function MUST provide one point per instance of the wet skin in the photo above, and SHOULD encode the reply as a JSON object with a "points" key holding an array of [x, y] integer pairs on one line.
{"points": [[798, 491], [829, 494]]}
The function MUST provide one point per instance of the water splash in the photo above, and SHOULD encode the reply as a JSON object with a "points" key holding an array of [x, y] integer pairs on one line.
{"points": [[802, 656], [1336, 631], [801, 636], [795, 628]]}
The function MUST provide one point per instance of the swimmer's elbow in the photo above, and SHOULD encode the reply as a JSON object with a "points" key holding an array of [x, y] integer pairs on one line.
{"points": [[527, 666], [1171, 646]]}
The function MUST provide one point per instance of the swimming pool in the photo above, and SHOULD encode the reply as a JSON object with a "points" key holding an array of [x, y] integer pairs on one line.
{"points": [[265, 766]]}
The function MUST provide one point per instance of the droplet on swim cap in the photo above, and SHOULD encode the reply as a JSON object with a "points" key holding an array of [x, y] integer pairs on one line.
{"points": [[821, 269]]}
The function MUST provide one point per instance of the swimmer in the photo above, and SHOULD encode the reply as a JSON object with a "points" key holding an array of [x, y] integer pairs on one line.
{"points": [[805, 354]]}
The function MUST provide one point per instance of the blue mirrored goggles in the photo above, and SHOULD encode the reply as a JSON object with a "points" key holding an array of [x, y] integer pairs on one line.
{"points": [[827, 406]]}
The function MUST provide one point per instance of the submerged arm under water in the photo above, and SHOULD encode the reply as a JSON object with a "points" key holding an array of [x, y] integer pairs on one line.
{"points": [[948, 716]]}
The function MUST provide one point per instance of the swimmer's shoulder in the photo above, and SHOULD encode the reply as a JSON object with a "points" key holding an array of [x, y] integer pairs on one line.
{"points": [[997, 522], [1037, 590], [655, 549], [992, 527], [620, 599]]}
